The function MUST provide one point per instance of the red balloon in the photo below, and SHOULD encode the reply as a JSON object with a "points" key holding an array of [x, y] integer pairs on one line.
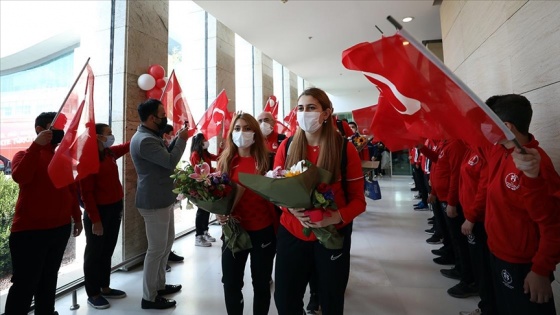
{"points": [[154, 93], [156, 71], [160, 83]]}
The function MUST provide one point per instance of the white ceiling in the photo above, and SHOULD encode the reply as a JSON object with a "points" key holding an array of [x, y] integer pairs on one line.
{"points": [[283, 30]]}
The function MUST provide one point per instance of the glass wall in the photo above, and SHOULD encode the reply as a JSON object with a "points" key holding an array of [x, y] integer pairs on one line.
{"points": [[244, 76], [42, 49], [188, 57]]}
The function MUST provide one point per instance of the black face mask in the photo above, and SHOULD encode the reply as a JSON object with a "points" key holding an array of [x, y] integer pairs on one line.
{"points": [[163, 123], [57, 136]]}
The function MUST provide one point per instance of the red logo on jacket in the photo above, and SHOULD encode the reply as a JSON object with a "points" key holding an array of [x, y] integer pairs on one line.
{"points": [[512, 181], [473, 160]]}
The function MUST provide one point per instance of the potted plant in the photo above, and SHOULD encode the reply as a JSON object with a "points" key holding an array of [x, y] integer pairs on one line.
{"points": [[8, 196]]}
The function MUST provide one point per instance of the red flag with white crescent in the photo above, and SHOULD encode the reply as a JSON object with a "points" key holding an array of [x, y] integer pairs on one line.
{"points": [[77, 155], [217, 118], [176, 105], [271, 106], [432, 101]]}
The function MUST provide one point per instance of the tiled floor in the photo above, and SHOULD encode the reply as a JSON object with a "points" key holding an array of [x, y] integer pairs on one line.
{"points": [[392, 272]]}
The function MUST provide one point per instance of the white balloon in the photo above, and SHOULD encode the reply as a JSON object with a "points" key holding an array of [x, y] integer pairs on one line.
{"points": [[146, 82]]}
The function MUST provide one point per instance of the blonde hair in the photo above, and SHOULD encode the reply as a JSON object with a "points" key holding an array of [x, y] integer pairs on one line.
{"points": [[330, 141], [258, 148]]}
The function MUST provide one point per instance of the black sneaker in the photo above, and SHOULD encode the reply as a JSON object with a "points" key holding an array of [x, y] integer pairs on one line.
{"points": [[174, 257], [430, 231], [160, 303], [463, 290], [434, 240], [313, 305], [444, 260], [414, 189], [451, 273], [170, 289], [441, 252]]}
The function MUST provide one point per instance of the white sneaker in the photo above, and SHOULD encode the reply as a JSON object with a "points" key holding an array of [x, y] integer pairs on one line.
{"points": [[208, 237], [201, 241], [475, 312]]}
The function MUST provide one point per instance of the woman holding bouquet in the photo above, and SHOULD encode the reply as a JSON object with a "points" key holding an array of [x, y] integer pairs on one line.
{"points": [[298, 255], [246, 152], [199, 154]]}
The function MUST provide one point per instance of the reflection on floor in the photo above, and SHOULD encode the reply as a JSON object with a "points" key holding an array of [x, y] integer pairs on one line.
{"points": [[392, 271]]}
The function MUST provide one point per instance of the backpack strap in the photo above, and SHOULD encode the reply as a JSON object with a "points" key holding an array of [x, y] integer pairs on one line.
{"points": [[281, 138], [343, 164]]}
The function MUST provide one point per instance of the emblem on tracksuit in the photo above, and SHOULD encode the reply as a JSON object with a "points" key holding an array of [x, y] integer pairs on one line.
{"points": [[471, 239], [473, 160], [507, 279], [512, 181]]}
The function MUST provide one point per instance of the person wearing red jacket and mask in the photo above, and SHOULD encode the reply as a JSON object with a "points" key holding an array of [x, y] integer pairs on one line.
{"points": [[42, 223], [245, 152], [299, 257], [522, 219], [102, 196], [200, 154]]}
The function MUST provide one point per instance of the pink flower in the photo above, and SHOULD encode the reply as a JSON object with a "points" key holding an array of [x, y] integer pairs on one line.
{"points": [[201, 173], [180, 196]]}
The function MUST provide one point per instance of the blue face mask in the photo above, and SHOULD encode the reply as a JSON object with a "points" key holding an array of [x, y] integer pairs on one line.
{"points": [[109, 142]]}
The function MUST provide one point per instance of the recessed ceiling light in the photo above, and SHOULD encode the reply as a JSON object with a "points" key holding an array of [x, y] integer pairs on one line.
{"points": [[408, 19]]}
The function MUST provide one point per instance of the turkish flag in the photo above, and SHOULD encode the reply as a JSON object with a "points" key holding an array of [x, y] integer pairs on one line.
{"points": [[290, 122], [363, 118], [176, 105], [216, 118], [389, 127], [77, 155], [271, 106], [432, 101]]}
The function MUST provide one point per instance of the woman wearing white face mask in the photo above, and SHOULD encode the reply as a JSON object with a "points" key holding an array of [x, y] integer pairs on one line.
{"points": [[245, 152], [200, 154], [102, 196], [299, 257]]}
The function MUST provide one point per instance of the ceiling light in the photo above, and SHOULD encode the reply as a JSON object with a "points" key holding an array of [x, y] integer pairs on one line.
{"points": [[408, 19]]}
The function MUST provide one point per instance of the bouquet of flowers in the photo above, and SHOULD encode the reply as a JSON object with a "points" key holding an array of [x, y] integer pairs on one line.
{"points": [[215, 193], [323, 199], [360, 142], [301, 186], [288, 188]]}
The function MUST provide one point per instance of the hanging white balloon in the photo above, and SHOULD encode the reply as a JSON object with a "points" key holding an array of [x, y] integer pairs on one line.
{"points": [[146, 82]]}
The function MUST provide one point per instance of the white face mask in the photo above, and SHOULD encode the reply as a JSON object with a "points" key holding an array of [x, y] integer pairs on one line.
{"points": [[109, 142], [266, 128], [309, 121], [205, 145], [243, 139]]}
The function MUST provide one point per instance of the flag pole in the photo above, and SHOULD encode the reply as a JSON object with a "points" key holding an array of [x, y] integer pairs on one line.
{"points": [[166, 83], [435, 60], [70, 91]]}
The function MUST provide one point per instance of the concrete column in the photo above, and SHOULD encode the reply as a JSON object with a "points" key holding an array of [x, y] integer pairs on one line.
{"points": [[263, 73], [141, 38], [221, 61]]}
